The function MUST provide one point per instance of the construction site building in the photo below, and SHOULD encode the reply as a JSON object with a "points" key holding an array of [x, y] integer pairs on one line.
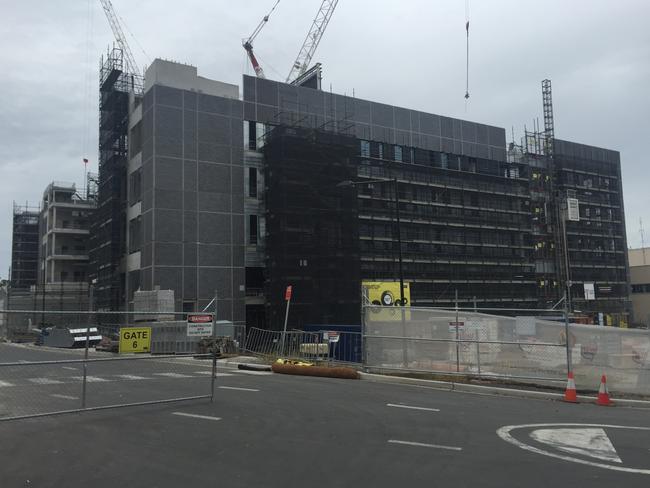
{"points": [[24, 247]]}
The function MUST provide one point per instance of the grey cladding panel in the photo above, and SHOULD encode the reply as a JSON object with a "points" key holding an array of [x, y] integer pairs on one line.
{"points": [[446, 127], [169, 199], [402, 119], [190, 254], [214, 228], [214, 178], [168, 122], [189, 100], [497, 136], [211, 279], [168, 278], [168, 226], [169, 96], [482, 134], [169, 174], [215, 153], [249, 89], [190, 200], [382, 114], [469, 131], [214, 255], [311, 101], [168, 254], [214, 202], [145, 255], [190, 228], [288, 97], [215, 105], [429, 124], [189, 283], [267, 92], [213, 128], [189, 175]]}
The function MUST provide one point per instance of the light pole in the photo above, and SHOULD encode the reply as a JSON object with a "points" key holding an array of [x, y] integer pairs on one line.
{"points": [[395, 183]]}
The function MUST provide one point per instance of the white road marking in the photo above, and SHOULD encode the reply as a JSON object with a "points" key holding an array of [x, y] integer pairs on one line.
{"points": [[131, 377], [5, 383], [90, 379], [66, 397], [258, 373], [237, 388], [70, 368], [208, 373], [396, 405], [172, 375], [420, 444], [44, 381], [504, 433], [591, 442], [205, 417], [23, 361]]}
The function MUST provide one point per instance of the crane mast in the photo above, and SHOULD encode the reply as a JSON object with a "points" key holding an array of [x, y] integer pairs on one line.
{"points": [[248, 43], [114, 22], [314, 36]]}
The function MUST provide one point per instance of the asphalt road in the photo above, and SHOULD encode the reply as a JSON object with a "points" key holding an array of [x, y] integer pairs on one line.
{"points": [[286, 431]]}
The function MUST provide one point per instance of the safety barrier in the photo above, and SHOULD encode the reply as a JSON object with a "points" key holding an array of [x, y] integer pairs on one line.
{"points": [[519, 348]]}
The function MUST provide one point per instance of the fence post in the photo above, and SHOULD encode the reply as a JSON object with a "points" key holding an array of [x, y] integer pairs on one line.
{"points": [[83, 384], [478, 353], [457, 335], [566, 334], [214, 348]]}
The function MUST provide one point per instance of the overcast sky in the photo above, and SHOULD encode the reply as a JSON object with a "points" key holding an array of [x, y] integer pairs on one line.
{"points": [[409, 53]]}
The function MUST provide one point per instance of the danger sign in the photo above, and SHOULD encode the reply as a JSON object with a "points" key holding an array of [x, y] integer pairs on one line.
{"points": [[199, 325], [135, 339]]}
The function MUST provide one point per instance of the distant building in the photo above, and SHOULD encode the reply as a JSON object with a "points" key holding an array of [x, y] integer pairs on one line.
{"points": [[640, 284], [24, 247]]}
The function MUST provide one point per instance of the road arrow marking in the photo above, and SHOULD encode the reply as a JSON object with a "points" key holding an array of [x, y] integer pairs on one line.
{"points": [[591, 442]]}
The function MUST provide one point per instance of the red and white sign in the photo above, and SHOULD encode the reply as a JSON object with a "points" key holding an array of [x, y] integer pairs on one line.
{"points": [[452, 326], [331, 336], [203, 318], [287, 293], [199, 324]]}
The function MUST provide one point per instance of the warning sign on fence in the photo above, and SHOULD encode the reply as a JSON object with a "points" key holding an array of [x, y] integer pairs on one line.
{"points": [[199, 324], [135, 339]]}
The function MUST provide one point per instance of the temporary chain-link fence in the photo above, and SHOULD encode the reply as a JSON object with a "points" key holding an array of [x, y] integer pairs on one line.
{"points": [[60, 361], [530, 347], [317, 346]]}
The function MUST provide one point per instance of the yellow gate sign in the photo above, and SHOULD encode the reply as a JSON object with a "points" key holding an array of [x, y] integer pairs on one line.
{"points": [[135, 339]]}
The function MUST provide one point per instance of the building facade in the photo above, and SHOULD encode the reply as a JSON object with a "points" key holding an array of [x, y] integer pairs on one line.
{"points": [[238, 197], [24, 247]]}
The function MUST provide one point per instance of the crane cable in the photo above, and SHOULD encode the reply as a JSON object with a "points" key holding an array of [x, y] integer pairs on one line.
{"points": [[467, 53]]}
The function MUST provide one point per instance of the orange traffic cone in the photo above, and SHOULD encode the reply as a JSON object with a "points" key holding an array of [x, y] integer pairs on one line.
{"points": [[570, 394], [603, 394]]}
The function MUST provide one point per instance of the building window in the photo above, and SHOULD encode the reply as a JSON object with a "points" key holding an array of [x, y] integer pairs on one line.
{"points": [[252, 182], [252, 135], [365, 149], [641, 288], [135, 186], [252, 229], [134, 234], [398, 153]]}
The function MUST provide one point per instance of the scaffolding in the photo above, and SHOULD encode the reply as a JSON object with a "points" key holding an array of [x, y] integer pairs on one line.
{"points": [[25, 246], [117, 91]]}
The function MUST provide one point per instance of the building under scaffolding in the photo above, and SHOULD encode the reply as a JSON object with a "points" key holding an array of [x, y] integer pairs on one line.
{"points": [[24, 247], [117, 90]]}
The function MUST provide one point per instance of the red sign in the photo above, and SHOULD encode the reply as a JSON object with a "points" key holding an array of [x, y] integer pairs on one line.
{"points": [[287, 293], [203, 318]]}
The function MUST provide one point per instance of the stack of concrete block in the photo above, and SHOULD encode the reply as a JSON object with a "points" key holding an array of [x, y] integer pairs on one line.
{"points": [[161, 301]]}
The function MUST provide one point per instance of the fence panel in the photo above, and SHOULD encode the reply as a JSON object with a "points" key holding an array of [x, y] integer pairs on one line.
{"points": [[531, 346], [55, 369]]}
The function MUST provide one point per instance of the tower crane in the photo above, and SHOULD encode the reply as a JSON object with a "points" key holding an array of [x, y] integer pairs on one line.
{"points": [[314, 36], [248, 43], [131, 66]]}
